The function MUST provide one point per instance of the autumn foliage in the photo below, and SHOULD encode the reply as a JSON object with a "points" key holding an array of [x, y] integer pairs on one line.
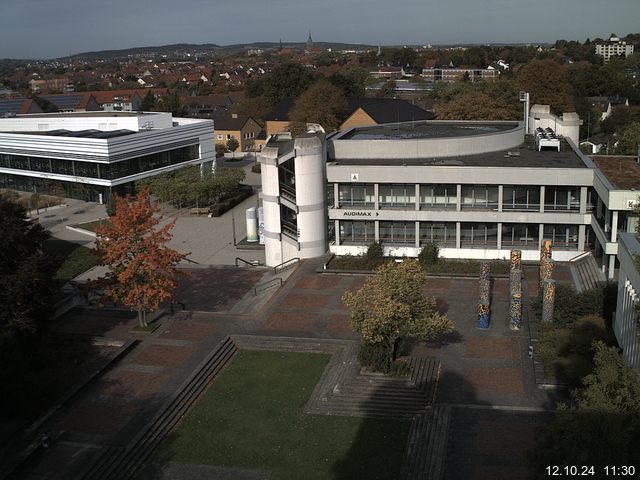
{"points": [[391, 304], [142, 269]]}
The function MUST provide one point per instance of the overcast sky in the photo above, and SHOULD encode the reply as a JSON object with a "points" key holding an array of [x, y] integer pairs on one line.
{"points": [[55, 28]]}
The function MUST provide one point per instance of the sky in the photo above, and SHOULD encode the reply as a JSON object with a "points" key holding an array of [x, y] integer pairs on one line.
{"points": [[57, 28]]}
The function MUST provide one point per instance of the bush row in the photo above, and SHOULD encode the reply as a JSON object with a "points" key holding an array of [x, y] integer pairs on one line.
{"points": [[227, 203]]}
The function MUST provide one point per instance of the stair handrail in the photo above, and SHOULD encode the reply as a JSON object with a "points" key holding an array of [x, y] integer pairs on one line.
{"points": [[286, 264], [245, 261], [579, 256]]}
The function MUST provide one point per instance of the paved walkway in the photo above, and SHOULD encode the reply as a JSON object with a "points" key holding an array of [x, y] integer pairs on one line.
{"points": [[486, 376]]}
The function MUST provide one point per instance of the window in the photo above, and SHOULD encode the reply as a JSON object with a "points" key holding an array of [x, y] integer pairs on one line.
{"points": [[356, 195], [355, 232], [219, 136], [481, 197], [330, 196], [521, 197], [479, 235], [444, 234], [397, 195], [397, 232], [563, 237], [520, 235], [438, 196], [228, 136], [562, 198]]}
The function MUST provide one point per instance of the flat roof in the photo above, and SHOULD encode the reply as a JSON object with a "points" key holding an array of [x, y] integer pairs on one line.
{"points": [[88, 114], [90, 133], [524, 156], [428, 129], [622, 172]]}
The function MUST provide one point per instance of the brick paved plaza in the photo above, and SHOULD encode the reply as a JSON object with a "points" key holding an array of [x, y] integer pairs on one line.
{"points": [[486, 376]]}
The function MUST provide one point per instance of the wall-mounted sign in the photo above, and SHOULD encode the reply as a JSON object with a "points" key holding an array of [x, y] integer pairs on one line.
{"points": [[355, 177], [364, 213], [631, 204]]}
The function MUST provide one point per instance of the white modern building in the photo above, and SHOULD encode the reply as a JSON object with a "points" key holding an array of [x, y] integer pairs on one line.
{"points": [[89, 155], [626, 324], [613, 48], [477, 189]]}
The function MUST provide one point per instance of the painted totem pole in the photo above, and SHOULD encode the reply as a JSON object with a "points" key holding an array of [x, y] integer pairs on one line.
{"points": [[484, 316]]}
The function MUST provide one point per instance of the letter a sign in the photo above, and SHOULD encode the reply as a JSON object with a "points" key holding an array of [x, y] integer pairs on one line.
{"points": [[354, 177]]}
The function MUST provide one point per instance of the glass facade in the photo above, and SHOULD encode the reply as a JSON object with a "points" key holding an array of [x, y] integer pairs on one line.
{"points": [[521, 197], [478, 235], [562, 198], [481, 197], [524, 235], [357, 232], [397, 195], [356, 195], [563, 237], [444, 234], [104, 171], [438, 196], [397, 232]]}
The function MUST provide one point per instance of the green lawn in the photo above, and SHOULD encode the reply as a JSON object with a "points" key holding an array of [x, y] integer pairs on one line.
{"points": [[252, 417], [73, 258], [91, 226]]}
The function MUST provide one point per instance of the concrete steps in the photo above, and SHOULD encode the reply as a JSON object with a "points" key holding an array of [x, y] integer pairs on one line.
{"points": [[122, 463], [586, 273], [427, 445]]}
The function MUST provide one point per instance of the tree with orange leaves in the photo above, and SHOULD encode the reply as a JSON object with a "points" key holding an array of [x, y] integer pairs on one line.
{"points": [[142, 269]]}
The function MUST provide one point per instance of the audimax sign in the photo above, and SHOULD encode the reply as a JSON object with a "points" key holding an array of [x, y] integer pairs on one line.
{"points": [[360, 214]]}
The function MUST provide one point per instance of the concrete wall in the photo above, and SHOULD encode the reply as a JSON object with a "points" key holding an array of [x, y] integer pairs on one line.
{"points": [[310, 196], [427, 147]]}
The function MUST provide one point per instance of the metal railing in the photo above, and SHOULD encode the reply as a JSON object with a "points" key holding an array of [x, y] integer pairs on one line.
{"points": [[252, 263], [266, 285], [286, 264]]}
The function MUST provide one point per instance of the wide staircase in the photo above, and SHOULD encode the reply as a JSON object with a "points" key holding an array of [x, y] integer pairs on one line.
{"points": [[122, 463], [427, 444], [586, 273]]}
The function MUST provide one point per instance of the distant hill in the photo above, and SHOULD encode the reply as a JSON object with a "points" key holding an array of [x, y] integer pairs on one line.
{"points": [[211, 48]]}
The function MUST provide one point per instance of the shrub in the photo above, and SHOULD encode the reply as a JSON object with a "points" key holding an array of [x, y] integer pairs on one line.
{"points": [[256, 168], [375, 253], [220, 149], [571, 305], [228, 202], [429, 254]]}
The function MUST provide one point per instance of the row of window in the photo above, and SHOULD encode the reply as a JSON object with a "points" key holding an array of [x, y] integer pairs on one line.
{"points": [[444, 196], [480, 235], [106, 171]]}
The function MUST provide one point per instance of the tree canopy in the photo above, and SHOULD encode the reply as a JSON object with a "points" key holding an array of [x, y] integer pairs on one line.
{"points": [[478, 101], [630, 139], [321, 103], [548, 84], [142, 269], [287, 79], [193, 186], [25, 275], [603, 428], [392, 304]]}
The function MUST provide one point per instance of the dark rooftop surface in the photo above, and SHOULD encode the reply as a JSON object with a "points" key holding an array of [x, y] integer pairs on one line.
{"points": [[622, 172], [89, 114], [79, 133], [525, 156], [425, 130]]}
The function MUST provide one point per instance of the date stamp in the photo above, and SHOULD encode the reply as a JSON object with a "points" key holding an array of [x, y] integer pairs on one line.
{"points": [[569, 471]]}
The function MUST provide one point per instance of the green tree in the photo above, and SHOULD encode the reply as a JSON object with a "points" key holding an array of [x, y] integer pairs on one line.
{"points": [[287, 79], [603, 427], [25, 276], [429, 254], [321, 103], [232, 144], [630, 139], [387, 90], [351, 80], [148, 103], [391, 304], [478, 101], [171, 103], [548, 84]]}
